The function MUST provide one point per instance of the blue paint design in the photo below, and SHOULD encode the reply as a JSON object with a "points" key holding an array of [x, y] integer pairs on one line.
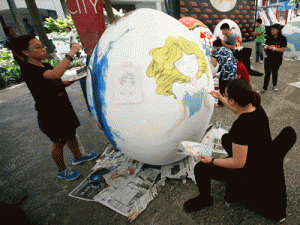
{"points": [[98, 75], [294, 40], [193, 102], [118, 136], [99, 87]]}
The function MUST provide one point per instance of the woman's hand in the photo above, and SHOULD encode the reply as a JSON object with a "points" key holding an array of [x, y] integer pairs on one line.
{"points": [[215, 94], [76, 47], [205, 159]]}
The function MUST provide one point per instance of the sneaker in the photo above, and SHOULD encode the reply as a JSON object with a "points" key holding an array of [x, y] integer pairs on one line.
{"points": [[261, 61], [68, 175], [84, 158], [262, 91], [197, 204], [275, 88], [282, 220]]}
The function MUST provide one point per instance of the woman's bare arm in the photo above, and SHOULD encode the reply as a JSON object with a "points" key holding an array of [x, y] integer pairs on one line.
{"points": [[237, 161], [61, 68]]}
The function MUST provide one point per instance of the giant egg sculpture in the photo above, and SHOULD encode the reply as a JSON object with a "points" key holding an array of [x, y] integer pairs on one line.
{"points": [[292, 33], [147, 86], [205, 36]]}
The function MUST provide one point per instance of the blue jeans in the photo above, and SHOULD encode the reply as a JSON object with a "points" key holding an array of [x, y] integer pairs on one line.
{"points": [[259, 51]]}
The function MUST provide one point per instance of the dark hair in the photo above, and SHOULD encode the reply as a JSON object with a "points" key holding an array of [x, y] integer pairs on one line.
{"points": [[238, 55], [224, 26], [22, 43], [217, 43], [69, 28], [25, 20], [6, 30], [241, 92], [278, 27], [259, 20]]}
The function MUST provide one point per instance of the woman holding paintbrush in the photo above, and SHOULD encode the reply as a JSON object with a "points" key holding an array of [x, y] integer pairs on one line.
{"points": [[56, 116]]}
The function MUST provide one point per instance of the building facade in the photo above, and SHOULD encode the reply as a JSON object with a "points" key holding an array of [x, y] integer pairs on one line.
{"points": [[53, 8]]}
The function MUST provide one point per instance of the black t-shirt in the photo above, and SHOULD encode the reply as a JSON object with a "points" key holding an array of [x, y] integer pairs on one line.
{"points": [[51, 98], [278, 42], [252, 129]]}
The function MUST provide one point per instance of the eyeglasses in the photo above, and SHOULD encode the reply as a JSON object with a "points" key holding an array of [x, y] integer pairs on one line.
{"points": [[39, 47]]}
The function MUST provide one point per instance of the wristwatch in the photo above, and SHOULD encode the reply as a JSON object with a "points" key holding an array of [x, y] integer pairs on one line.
{"points": [[212, 161]]}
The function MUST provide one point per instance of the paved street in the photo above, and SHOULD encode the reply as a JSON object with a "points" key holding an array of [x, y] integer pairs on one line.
{"points": [[27, 167]]}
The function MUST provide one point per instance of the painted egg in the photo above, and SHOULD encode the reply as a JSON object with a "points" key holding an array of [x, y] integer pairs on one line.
{"points": [[205, 36], [147, 86], [292, 33]]}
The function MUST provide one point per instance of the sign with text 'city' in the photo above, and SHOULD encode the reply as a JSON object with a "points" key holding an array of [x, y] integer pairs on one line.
{"points": [[89, 21]]}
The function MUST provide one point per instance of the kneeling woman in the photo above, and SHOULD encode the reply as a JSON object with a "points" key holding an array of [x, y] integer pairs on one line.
{"points": [[245, 144], [56, 116]]}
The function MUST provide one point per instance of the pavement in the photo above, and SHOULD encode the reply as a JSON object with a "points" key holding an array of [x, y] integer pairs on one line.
{"points": [[27, 167]]}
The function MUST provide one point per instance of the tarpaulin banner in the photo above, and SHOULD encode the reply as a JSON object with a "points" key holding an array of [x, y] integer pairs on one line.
{"points": [[211, 12], [89, 21], [285, 6]]}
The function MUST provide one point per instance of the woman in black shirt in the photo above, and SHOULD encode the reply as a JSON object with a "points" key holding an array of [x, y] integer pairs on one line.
{"points": [[56, 116], [246, 144], [274, 48]]}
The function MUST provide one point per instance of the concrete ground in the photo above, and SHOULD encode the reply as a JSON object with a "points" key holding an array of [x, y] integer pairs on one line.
{"points": [[27, 167]]}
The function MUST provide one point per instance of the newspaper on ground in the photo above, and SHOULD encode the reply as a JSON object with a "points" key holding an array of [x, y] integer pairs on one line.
{"points": [[127, 186], [178, 170], [87, 190], [295, 84], [133, 196]]}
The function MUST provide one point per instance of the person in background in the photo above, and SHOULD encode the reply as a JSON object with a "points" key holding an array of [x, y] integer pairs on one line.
{"points": [[259, 40], [72, 39], [241, 72], [56, 116], [230, 38], [274, 48], [11, 37], [29, 28], [227, 65]]}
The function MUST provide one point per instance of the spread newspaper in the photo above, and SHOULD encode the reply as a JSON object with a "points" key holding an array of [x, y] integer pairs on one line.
{"points": [[128, 186]]}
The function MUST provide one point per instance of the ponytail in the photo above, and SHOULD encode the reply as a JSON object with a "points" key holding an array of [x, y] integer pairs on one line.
{"points": [[255, 98], [241, 92]]}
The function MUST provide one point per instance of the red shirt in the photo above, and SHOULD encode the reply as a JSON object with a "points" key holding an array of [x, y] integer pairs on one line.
{"points": [[241, 70]]}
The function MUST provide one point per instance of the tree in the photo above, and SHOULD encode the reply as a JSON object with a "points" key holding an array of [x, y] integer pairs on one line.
{"points": [[37, 20], [109, 11], [64, 7], [16, 16]]}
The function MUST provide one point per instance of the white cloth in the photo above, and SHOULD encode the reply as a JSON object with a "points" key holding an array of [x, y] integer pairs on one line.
{"points": [[71, 35]]}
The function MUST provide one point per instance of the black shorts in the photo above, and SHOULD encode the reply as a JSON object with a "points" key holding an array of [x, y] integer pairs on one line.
{"points": [[58, 135]]}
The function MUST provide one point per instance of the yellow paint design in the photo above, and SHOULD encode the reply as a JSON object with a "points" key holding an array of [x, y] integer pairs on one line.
{"points": [[163, 69]]}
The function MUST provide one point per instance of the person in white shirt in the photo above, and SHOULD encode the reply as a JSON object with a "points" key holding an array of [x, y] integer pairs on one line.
{"points": [[72, 39]]}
